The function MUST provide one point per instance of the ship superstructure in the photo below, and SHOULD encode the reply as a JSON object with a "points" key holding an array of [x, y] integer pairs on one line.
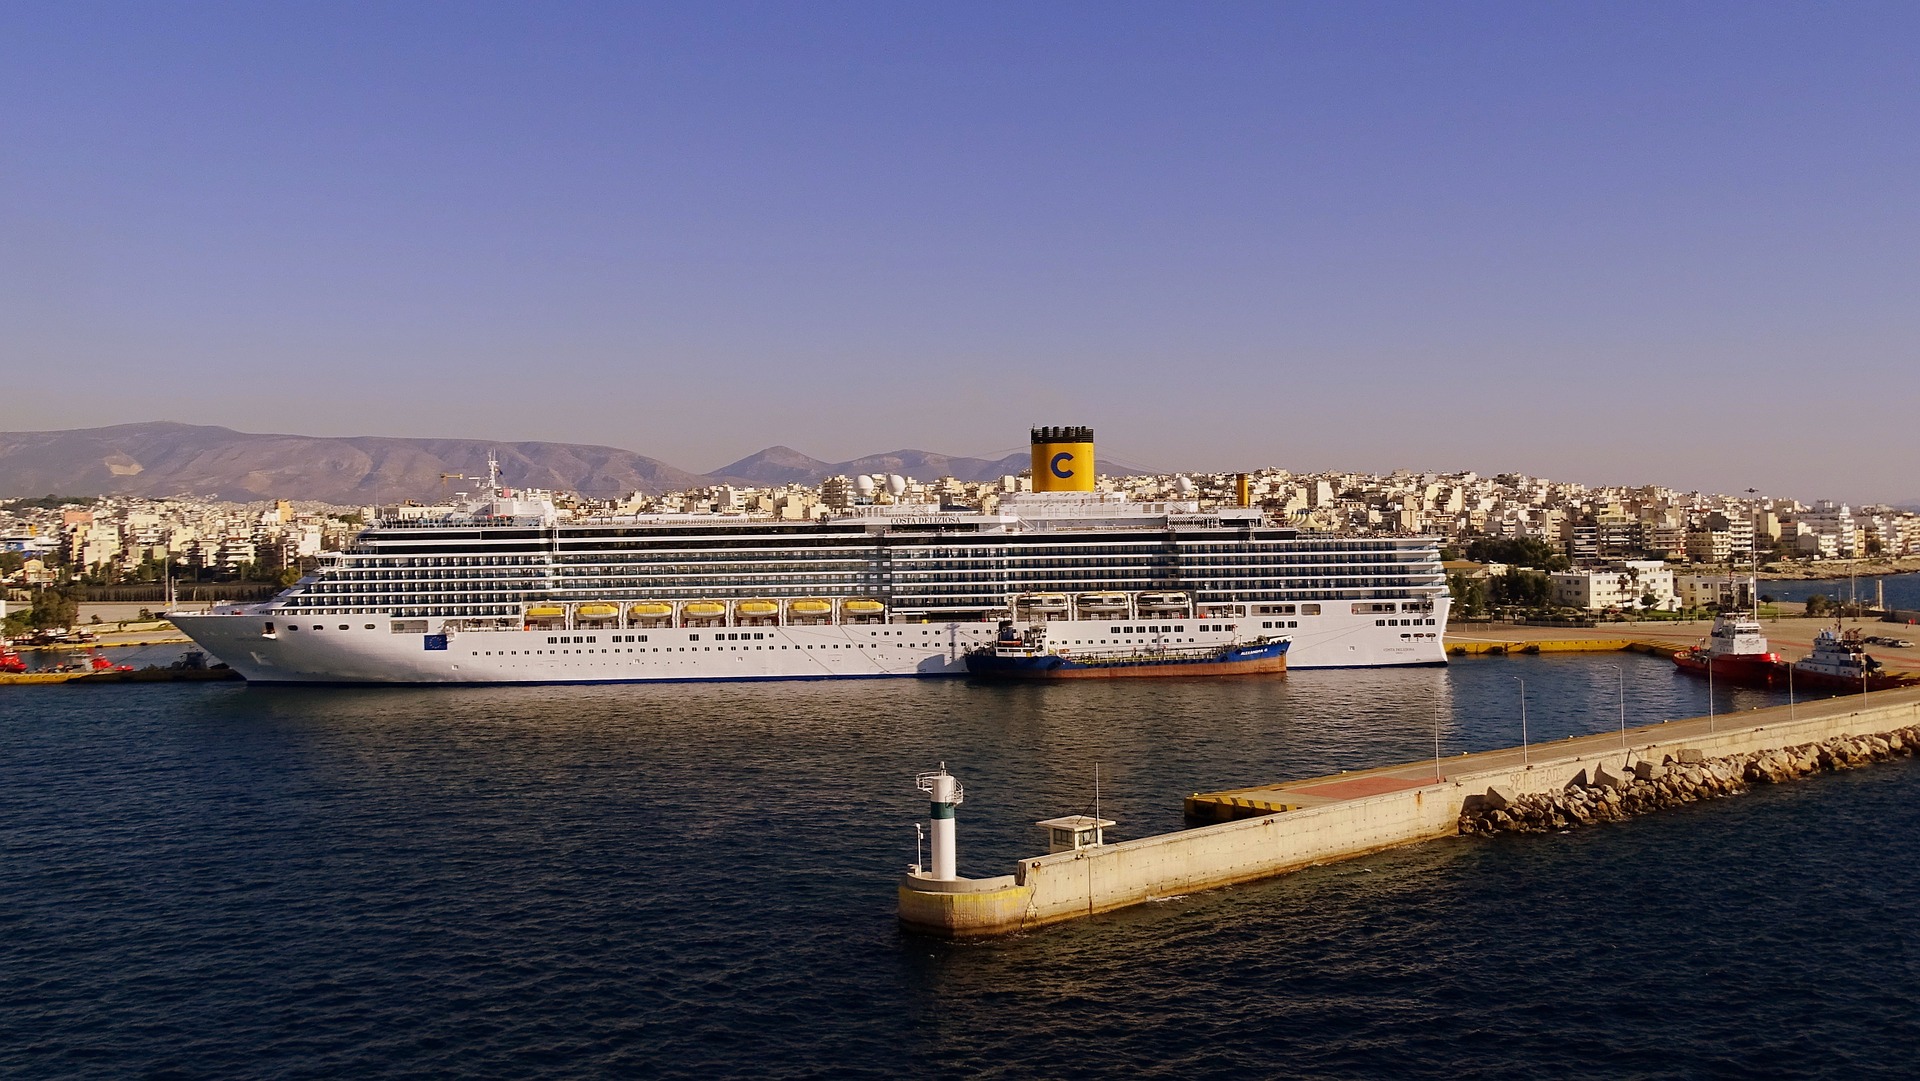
{"points": [[512, 589]]}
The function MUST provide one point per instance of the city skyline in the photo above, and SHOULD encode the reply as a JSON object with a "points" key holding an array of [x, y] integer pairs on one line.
{"points": [[1626, 246]]}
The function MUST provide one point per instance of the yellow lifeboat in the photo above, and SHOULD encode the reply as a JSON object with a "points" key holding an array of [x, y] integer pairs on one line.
{"points": [[756, 609], [1163, 600], [809, 607], [704, 610], [861, 606], [597, 610], [546, 611], [1103, 602], [1044, 602], [649, 610]]}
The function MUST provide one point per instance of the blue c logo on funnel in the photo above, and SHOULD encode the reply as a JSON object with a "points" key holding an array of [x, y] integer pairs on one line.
{"points": [[1054, 465]]}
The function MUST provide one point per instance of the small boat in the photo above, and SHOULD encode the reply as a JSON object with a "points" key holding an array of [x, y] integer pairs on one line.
{"points": [[1840, 662], [810, 607], [1027, 655], [756, 609], [862, 606], [11, 662], [1097, 603], [1162, 602], [597, 610], [1736, 651], [703, 610], [649, 610], [546, 611]]}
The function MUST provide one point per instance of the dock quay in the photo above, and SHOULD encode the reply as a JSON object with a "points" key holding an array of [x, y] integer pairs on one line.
{"points": [[139, 675], [1267, 830]]}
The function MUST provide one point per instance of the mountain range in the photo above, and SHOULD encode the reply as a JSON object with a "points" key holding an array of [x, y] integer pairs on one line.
{"points": [[167, 459]]}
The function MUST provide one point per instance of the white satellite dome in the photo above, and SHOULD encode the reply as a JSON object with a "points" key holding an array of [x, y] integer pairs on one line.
{"points": [[1183, 485], [896, 485], [863, 485]]}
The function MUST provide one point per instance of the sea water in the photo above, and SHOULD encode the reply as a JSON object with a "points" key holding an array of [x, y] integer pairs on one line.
{"points": [[222, 880]]}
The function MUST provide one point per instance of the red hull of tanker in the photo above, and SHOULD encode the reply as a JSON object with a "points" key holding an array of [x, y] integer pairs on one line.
{"points": [[1828, 681], [1264, 666], [1766, 670]]}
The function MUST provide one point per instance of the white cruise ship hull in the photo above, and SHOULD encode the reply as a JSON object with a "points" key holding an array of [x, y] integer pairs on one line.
{"points": [[364, 648]]}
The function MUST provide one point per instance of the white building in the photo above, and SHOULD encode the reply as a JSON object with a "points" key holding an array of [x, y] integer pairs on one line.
{"points": [[1830, 519], [1635, 584]]}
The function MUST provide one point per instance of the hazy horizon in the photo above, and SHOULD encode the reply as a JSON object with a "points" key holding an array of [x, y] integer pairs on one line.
{"points": [[1107, 460], [1635, 244]]}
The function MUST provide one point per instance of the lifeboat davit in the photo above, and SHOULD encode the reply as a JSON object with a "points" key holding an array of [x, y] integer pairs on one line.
{"points": [[810, 607], [757, 609], [597, 610], [649, 610], [862, 606], [704, 610], [546, 611]]}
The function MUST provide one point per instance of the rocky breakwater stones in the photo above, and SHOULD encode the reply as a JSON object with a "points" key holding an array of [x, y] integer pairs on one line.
{"points": [[1602, 794]]}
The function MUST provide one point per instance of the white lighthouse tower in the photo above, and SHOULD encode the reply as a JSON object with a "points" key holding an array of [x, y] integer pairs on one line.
{"points": [[944, 794]]}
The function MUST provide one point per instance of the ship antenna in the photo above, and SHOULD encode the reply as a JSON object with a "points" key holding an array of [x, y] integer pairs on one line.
{"points": [[493, 473]]}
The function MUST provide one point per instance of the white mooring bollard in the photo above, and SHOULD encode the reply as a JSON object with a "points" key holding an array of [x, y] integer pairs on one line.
{"points": [[944, 793]]}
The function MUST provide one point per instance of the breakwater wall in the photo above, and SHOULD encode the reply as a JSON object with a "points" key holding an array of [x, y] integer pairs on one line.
{"points": [[1323, 820]]}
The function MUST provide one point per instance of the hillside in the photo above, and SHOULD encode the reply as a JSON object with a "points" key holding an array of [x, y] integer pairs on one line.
{"points": [[163, 459], [167, 459], [783, 465]]}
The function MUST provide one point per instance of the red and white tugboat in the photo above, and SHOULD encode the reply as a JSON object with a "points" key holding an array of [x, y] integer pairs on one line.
{"points": [[1735, 650], [1840, 662]]}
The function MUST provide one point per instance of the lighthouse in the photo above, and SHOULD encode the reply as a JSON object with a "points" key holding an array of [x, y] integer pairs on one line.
{"points": [[943, 794]]}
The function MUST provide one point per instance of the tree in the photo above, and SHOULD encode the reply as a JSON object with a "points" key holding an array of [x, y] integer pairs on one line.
{"points": [[1469, 594], [11, 562], [1818, 605], [54, 608], [1522, 589], [1519, 552]]}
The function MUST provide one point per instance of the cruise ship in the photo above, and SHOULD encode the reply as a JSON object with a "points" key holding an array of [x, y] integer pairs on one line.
{"points": [[511, 589]]}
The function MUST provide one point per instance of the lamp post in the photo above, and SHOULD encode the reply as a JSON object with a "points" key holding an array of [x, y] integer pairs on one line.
{"points": [[1526, 758], [1622, 674]]}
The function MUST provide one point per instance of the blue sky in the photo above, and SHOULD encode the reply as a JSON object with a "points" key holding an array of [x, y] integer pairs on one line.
{"points": [[1613, 243]]}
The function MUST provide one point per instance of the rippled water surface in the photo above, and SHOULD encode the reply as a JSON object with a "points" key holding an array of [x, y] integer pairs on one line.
{"points": [[697, 881], [1901, 590]]}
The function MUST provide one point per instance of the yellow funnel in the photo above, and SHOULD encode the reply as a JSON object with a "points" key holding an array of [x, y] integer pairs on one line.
{"points": [[1063, 459]]}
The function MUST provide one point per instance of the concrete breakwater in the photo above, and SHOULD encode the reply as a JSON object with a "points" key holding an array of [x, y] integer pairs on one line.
{"points": [[1604, 795], [1273, 829]]}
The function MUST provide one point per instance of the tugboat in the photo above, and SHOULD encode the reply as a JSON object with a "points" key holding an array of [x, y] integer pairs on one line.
{"points": [[11, 663], [1736, 651], [1026, 655], [98, 662], [1840, 662]]}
